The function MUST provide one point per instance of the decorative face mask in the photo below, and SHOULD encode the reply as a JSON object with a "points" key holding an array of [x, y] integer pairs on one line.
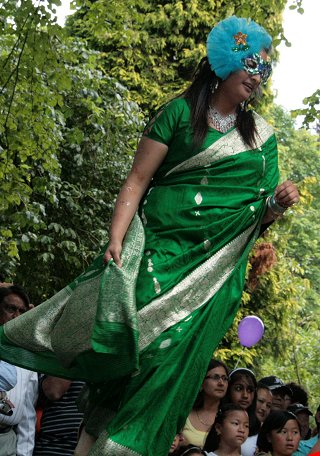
{"points": [[255, 64], [233, 40]]}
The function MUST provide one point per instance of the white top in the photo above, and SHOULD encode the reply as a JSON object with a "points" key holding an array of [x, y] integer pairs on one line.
{"points": [[248, 448], [24, 396], [8, 376]]}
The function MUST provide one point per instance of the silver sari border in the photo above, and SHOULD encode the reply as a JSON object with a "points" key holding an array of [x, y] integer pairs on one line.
{"points": [[105, 445], [192, 292], [227, 146]]}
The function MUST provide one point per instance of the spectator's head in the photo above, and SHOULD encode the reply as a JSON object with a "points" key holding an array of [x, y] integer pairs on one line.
{"points": [[215, 383], [303, 414], [242, 388], [279, 391], [189, 450], [176, 444], [279, 434], [264, 402], [13, 302], [230, 429], [299, 394]]}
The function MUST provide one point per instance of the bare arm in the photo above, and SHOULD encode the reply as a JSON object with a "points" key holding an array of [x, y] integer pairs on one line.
{"points": [[286, 194], [54, 387], [148, 158]]}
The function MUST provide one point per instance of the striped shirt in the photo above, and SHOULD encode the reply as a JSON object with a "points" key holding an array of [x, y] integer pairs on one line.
{"points": [[60, 424]]}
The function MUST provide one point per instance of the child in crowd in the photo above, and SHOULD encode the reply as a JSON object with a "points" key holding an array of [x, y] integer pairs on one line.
{"points": [[263, 408], [242, 390], [189, 450], [279, 434], [176, 444], [229, 432]]}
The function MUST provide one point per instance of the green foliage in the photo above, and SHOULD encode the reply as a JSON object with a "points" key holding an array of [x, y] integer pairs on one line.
{"points": [[67, 132], [153, 46], [311, 112]]}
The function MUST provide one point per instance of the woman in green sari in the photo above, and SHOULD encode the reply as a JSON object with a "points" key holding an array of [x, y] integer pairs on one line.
{"points": [[141, 324]]}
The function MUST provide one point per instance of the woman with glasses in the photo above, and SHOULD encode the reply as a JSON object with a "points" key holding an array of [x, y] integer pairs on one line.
{"points": [[206, 406]]}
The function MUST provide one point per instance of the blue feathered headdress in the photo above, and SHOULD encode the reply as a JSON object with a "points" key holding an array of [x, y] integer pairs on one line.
{"points": [[232, 40]]}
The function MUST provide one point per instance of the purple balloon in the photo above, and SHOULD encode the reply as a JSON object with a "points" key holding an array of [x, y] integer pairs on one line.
{"points": [[250, 330]]}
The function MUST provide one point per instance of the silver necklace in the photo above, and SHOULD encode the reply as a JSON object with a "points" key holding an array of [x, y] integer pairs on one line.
{"points": [[220, 122]]}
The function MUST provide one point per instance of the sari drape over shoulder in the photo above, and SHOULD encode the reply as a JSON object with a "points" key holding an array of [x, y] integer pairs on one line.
{"points": [[142, 335]]}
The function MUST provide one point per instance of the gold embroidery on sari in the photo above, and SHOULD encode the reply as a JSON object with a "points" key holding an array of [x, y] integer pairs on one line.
{"points": [[44, 328], [192, 292], [103, 446], [227, 146]]}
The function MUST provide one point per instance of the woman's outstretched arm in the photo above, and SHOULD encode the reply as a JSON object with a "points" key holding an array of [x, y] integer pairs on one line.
{"points": [[148, 158]]}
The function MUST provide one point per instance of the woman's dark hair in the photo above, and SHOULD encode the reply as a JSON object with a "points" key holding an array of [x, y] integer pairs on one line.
{"points": [[213, 439], [299, 394], [187, 450], [234, 377], [199, 402], [274, 422], [199, 93], [17, 290]]}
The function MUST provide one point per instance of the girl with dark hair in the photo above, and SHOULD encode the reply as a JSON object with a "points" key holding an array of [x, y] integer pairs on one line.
{"points": [[189, 450], [242, 390], [206, 406], [262, 410], [141, 327], [279, 434], [229, 432]]}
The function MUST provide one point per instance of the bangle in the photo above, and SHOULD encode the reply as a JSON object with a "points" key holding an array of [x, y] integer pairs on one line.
{"points": [[275, 207]]}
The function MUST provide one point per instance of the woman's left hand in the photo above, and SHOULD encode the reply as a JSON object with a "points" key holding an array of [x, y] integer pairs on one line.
{"points": [[286, 194]]}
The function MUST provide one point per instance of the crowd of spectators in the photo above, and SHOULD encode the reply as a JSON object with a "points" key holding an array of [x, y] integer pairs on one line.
{"points": [[234, 413]]}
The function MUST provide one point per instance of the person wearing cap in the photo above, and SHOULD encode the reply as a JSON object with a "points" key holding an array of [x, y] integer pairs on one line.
{"points": [[142, 322], [279, 391], [303, 414], [299, 394]]}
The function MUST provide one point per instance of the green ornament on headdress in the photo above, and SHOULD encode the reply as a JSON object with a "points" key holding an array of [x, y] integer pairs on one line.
{"points": [[233, 40]]}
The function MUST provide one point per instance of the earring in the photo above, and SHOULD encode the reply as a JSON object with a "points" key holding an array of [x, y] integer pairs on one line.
{"points": [[213, 86], [244, 105]]}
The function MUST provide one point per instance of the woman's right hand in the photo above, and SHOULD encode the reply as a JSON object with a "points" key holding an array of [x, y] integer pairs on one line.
{"points": [[148, 158], [113, 252]]}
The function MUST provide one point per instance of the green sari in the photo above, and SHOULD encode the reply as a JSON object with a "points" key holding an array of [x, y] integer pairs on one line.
{"points": [[142, 335]]}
